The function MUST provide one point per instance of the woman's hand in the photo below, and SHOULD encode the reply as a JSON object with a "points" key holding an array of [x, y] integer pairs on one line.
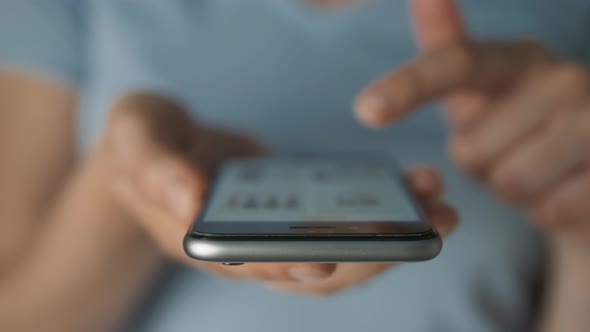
{"points": [[521, 116], [162, 162], [428, 188], [521, 124]]}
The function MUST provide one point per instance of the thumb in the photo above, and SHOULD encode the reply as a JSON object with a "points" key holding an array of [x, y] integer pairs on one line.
{"points": [[437, 22], [142, 125], [148, 142]]}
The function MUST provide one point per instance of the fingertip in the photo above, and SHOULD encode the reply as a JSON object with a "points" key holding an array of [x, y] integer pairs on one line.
{"points": [[425, 182], [371, 109], [465, 154], [202, 183], [312, 272], [327, 268], [173, 185], [443, 217]]}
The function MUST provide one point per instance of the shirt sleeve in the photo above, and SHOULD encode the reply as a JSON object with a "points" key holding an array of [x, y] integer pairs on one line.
{"points": [[43, 36]]}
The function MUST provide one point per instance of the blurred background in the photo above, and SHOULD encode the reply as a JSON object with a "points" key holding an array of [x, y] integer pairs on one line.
{"points": [[284, 74]]}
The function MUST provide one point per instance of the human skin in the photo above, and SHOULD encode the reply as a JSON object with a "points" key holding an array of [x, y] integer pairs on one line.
{"points": [[49, 197], [520, 120], [84, 237]]}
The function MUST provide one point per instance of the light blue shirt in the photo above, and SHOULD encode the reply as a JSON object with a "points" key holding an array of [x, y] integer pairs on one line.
{"points": [[287, 73]]}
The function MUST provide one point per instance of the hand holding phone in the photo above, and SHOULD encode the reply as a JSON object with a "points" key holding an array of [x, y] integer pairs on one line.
{"points": [[427, 187], [312, 208], [327, 279], [142, 188]]}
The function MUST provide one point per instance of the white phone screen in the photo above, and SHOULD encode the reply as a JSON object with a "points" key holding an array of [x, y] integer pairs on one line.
{"points": [[309, 190]]}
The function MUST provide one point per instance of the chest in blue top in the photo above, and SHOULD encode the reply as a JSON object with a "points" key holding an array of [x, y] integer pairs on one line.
{"points": [[282, 68]]}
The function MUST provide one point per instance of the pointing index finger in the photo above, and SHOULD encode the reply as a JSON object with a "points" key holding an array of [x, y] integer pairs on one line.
{"points": [[485, 67], [437, 23]]}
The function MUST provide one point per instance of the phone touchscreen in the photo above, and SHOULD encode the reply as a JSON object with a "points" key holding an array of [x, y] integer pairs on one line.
{"points": [[311, 190]]}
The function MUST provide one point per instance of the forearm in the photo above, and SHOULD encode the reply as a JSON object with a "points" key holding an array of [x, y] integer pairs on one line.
{"points": [[87, 265], [567, 306]]}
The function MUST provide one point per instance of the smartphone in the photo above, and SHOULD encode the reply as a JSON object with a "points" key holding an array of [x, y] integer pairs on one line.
{"points": [[311, 208]]}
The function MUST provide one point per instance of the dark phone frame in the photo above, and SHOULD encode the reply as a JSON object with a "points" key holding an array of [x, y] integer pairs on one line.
{"points": [[321, 229]]}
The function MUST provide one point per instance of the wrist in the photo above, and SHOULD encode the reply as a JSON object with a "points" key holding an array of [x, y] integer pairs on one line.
{"points": [[568, 295]]}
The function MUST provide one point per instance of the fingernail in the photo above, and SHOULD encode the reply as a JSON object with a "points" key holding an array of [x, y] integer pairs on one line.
{"points": [[372, 109], [164, 184], [374, 103], [178, 197], [302, 274]]}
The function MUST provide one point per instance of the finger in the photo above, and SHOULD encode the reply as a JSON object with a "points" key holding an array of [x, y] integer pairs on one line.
{"points": [[519, 114], [147, 140], [437, 22], [141, 123], [227, 145], [464, 108], [442, 216], [567, 205], [297, 272], [425, 182], [543, 160], [173, 185], [440, 23], [347, 275], [484, 67], [165, 228]]}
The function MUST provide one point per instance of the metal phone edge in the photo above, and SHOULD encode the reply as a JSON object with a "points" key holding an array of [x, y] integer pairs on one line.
{"points": [[325, 251]]}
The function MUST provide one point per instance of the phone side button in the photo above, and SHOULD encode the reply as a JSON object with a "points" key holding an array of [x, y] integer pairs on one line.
{"points": [[232, 264]]}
